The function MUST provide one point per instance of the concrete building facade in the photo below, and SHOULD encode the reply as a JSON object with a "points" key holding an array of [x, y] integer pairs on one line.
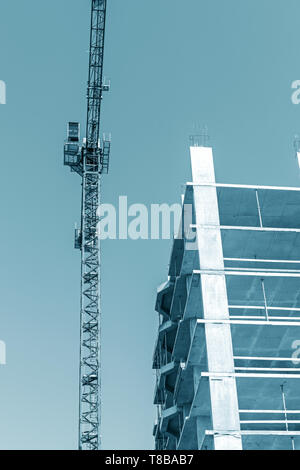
{"points": [[227, 354]]}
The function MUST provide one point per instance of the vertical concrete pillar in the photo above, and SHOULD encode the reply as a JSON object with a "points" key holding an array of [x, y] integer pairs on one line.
{"points": [[202, 423], [223, 392]]}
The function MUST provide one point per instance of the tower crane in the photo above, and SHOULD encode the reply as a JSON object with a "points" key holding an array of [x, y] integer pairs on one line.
{"points": [[90, 159]]}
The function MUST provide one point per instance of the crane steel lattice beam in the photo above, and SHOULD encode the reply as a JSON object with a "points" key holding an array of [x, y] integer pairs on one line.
{"points": [[90, 161]]}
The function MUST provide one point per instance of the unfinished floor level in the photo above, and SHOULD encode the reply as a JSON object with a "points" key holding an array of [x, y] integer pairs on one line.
{"points": [[227, 353]]}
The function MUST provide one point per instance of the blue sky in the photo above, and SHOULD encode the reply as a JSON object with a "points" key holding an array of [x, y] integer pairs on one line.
{"points": [[172, 64]]}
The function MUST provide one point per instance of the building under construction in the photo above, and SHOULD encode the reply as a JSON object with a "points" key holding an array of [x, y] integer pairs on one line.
{"points": [[227, 353]]}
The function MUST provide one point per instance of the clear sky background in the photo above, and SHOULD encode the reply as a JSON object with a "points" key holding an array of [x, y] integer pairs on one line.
{"points": [[226, 63]]}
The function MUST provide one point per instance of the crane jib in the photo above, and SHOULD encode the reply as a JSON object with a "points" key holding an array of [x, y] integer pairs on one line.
{"points": [[95, 78]]}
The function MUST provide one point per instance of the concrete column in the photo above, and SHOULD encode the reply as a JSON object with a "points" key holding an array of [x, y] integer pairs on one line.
{"points": [[202, 423], [223, 392]]}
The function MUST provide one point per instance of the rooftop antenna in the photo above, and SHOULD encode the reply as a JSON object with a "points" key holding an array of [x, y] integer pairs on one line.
{"points": [[201, 137]]}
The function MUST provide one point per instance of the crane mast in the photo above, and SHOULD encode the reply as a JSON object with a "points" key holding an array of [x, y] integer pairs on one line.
{"points": [[90, 160]]}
